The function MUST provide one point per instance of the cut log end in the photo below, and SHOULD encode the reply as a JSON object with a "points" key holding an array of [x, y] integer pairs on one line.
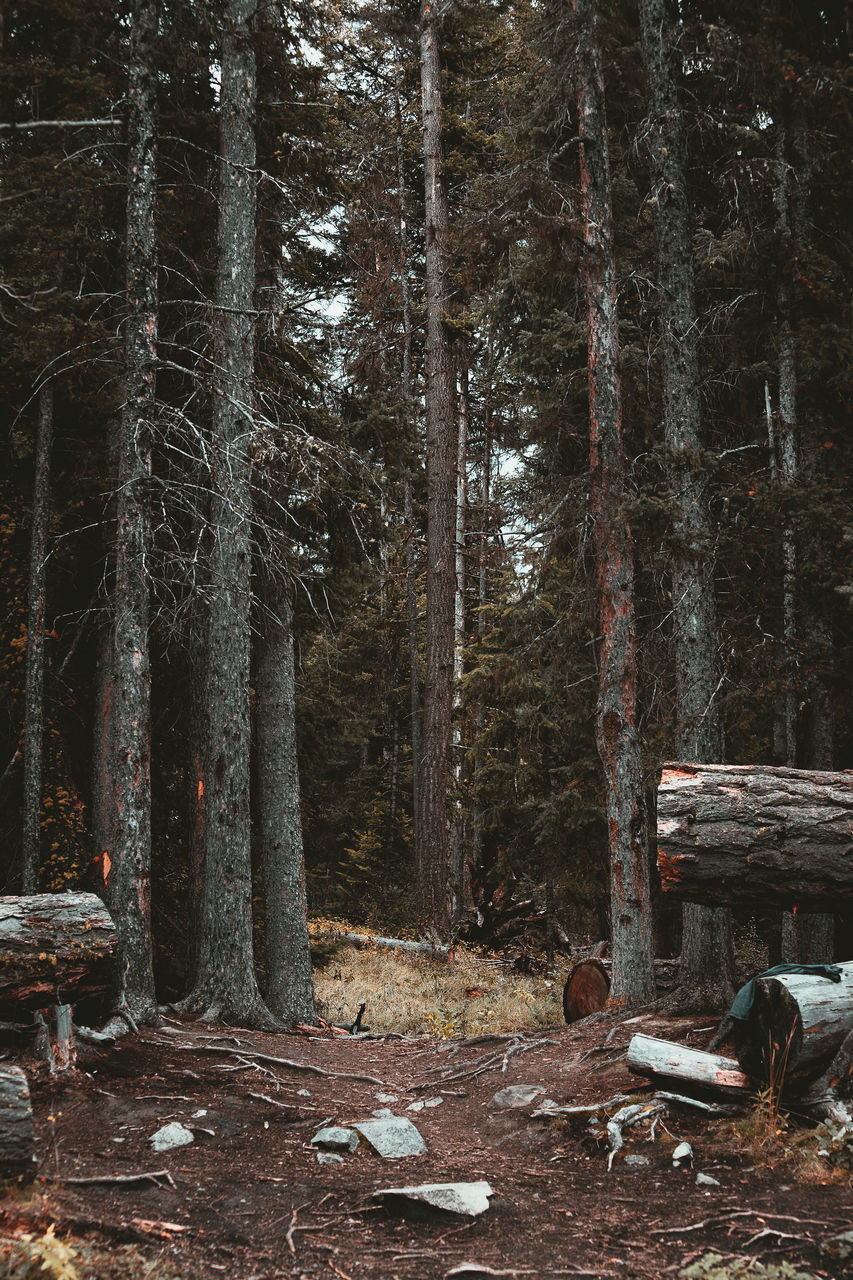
{"points": [[587, 989], [769, 1044]]}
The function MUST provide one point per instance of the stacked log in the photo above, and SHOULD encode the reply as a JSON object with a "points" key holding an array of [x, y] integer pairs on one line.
{"points": [[752, 834], [17, 1135], [665, 1061], [54, 945]]}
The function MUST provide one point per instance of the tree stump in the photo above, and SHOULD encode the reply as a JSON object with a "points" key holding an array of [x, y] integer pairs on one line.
{"points": [[752, 834], [53, 945], [586, 990], [17, 1135], [796, 1024]]}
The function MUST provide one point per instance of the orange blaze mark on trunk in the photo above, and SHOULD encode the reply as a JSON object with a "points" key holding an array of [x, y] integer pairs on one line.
{"points": [[675, 775], [668, 868], [107, 862], [200, 789]]}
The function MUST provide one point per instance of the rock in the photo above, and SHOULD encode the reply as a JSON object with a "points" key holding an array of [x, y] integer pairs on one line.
{"points": [[392, 1137], [682, 1154], [705, 1180], [171, 1135], [428, 1102], [303, 1093], [385, 1097], [469, 1199], [634, 1161], [335, 1138], [329, 1157], [382, 1113], [517, 1095]]}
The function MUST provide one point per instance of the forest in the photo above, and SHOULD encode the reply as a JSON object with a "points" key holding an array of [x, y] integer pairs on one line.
{"points": [[419, 423]]}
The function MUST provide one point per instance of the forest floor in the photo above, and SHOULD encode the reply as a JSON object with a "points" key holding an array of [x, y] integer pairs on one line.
{"points": [[249, 1200]]}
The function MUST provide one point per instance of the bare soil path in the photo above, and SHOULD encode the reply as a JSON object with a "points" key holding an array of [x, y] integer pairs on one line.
{"points": [[248, 1198]]}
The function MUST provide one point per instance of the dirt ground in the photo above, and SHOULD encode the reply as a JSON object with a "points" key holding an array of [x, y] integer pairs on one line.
{"points": [[248, 1198]]}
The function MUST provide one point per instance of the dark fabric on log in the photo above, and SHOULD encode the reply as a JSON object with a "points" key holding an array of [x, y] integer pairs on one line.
{"points": [[796, 1024], [17, 1136], [743, 1001], [586, 990], [54, 946], [742, 834]]}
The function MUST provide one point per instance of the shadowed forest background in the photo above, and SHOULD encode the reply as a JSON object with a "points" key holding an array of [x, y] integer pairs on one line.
{"points": [[338, 506]]}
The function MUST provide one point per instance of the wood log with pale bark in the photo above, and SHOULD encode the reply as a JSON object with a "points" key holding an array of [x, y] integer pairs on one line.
{"points": [[796, 1024], [17, 1136], [665, 1060], [54, 946], [756, 834]]}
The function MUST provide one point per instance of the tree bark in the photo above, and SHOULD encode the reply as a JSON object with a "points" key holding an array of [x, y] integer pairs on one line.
{"points": [[707, 960], [128, 882], [225, 987], [54, 946], [17, 1134], [433, 835], [290, 989], [616, 733], [756, 834], [664, 1060], [796, 1024], [34, 700]]}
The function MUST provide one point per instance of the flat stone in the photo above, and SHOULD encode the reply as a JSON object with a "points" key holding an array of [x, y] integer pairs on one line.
{"points": [[171, 1135], [392, 1137], [335, 1138], [428, 1102], [635, 1161], [468, 1199], [705, 1180], [329, 1157], [385, 1097], [517, 1095], [682, 1154]]}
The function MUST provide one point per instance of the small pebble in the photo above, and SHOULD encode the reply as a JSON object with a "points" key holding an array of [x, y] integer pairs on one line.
{"points": [[329, 1157]]}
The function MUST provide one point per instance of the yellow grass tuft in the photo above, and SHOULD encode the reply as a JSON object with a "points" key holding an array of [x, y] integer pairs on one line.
{"points": [[418, 995]]}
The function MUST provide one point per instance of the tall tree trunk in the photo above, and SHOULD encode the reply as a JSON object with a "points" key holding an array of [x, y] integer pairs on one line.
{"points": [[458, 831], [34, 701], [225, 987], [806, 937], [290, 990], [616, 733], [408, 511], [433, 839], [129, 879], [707, 958]]}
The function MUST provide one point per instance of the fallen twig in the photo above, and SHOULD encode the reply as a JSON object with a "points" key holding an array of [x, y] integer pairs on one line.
{"points": [[698, 1226], [243, 1054], [118, 1178]]}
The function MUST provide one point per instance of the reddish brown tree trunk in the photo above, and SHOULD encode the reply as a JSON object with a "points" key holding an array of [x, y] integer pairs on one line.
{"points": [[225, 985], [34, 702], [433, 835], [128, 882], [616, 733]]}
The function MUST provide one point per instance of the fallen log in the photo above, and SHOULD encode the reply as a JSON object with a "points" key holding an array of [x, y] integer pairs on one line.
{"points": [[368, 942], [587, 989], [17, 1135], [54, 945], [796, 1023], [665, 1060], [754, 834]]}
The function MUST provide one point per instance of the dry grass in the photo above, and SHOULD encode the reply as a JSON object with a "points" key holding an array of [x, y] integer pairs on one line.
{"points": [[423, 996]]}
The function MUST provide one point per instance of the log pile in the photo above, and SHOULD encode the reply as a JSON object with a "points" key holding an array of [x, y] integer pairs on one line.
{"points": [[752, 834]]}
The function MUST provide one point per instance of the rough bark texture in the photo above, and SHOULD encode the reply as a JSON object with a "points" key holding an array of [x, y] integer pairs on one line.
{"points": [[433, 835], [756, 834], [225, 986], [618, 745], [290, 990], [706, 950], [797, 1022], [17, 1134], [586, 990], [34, 702], [664, 1060], [128, 881], [54, 946]]}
